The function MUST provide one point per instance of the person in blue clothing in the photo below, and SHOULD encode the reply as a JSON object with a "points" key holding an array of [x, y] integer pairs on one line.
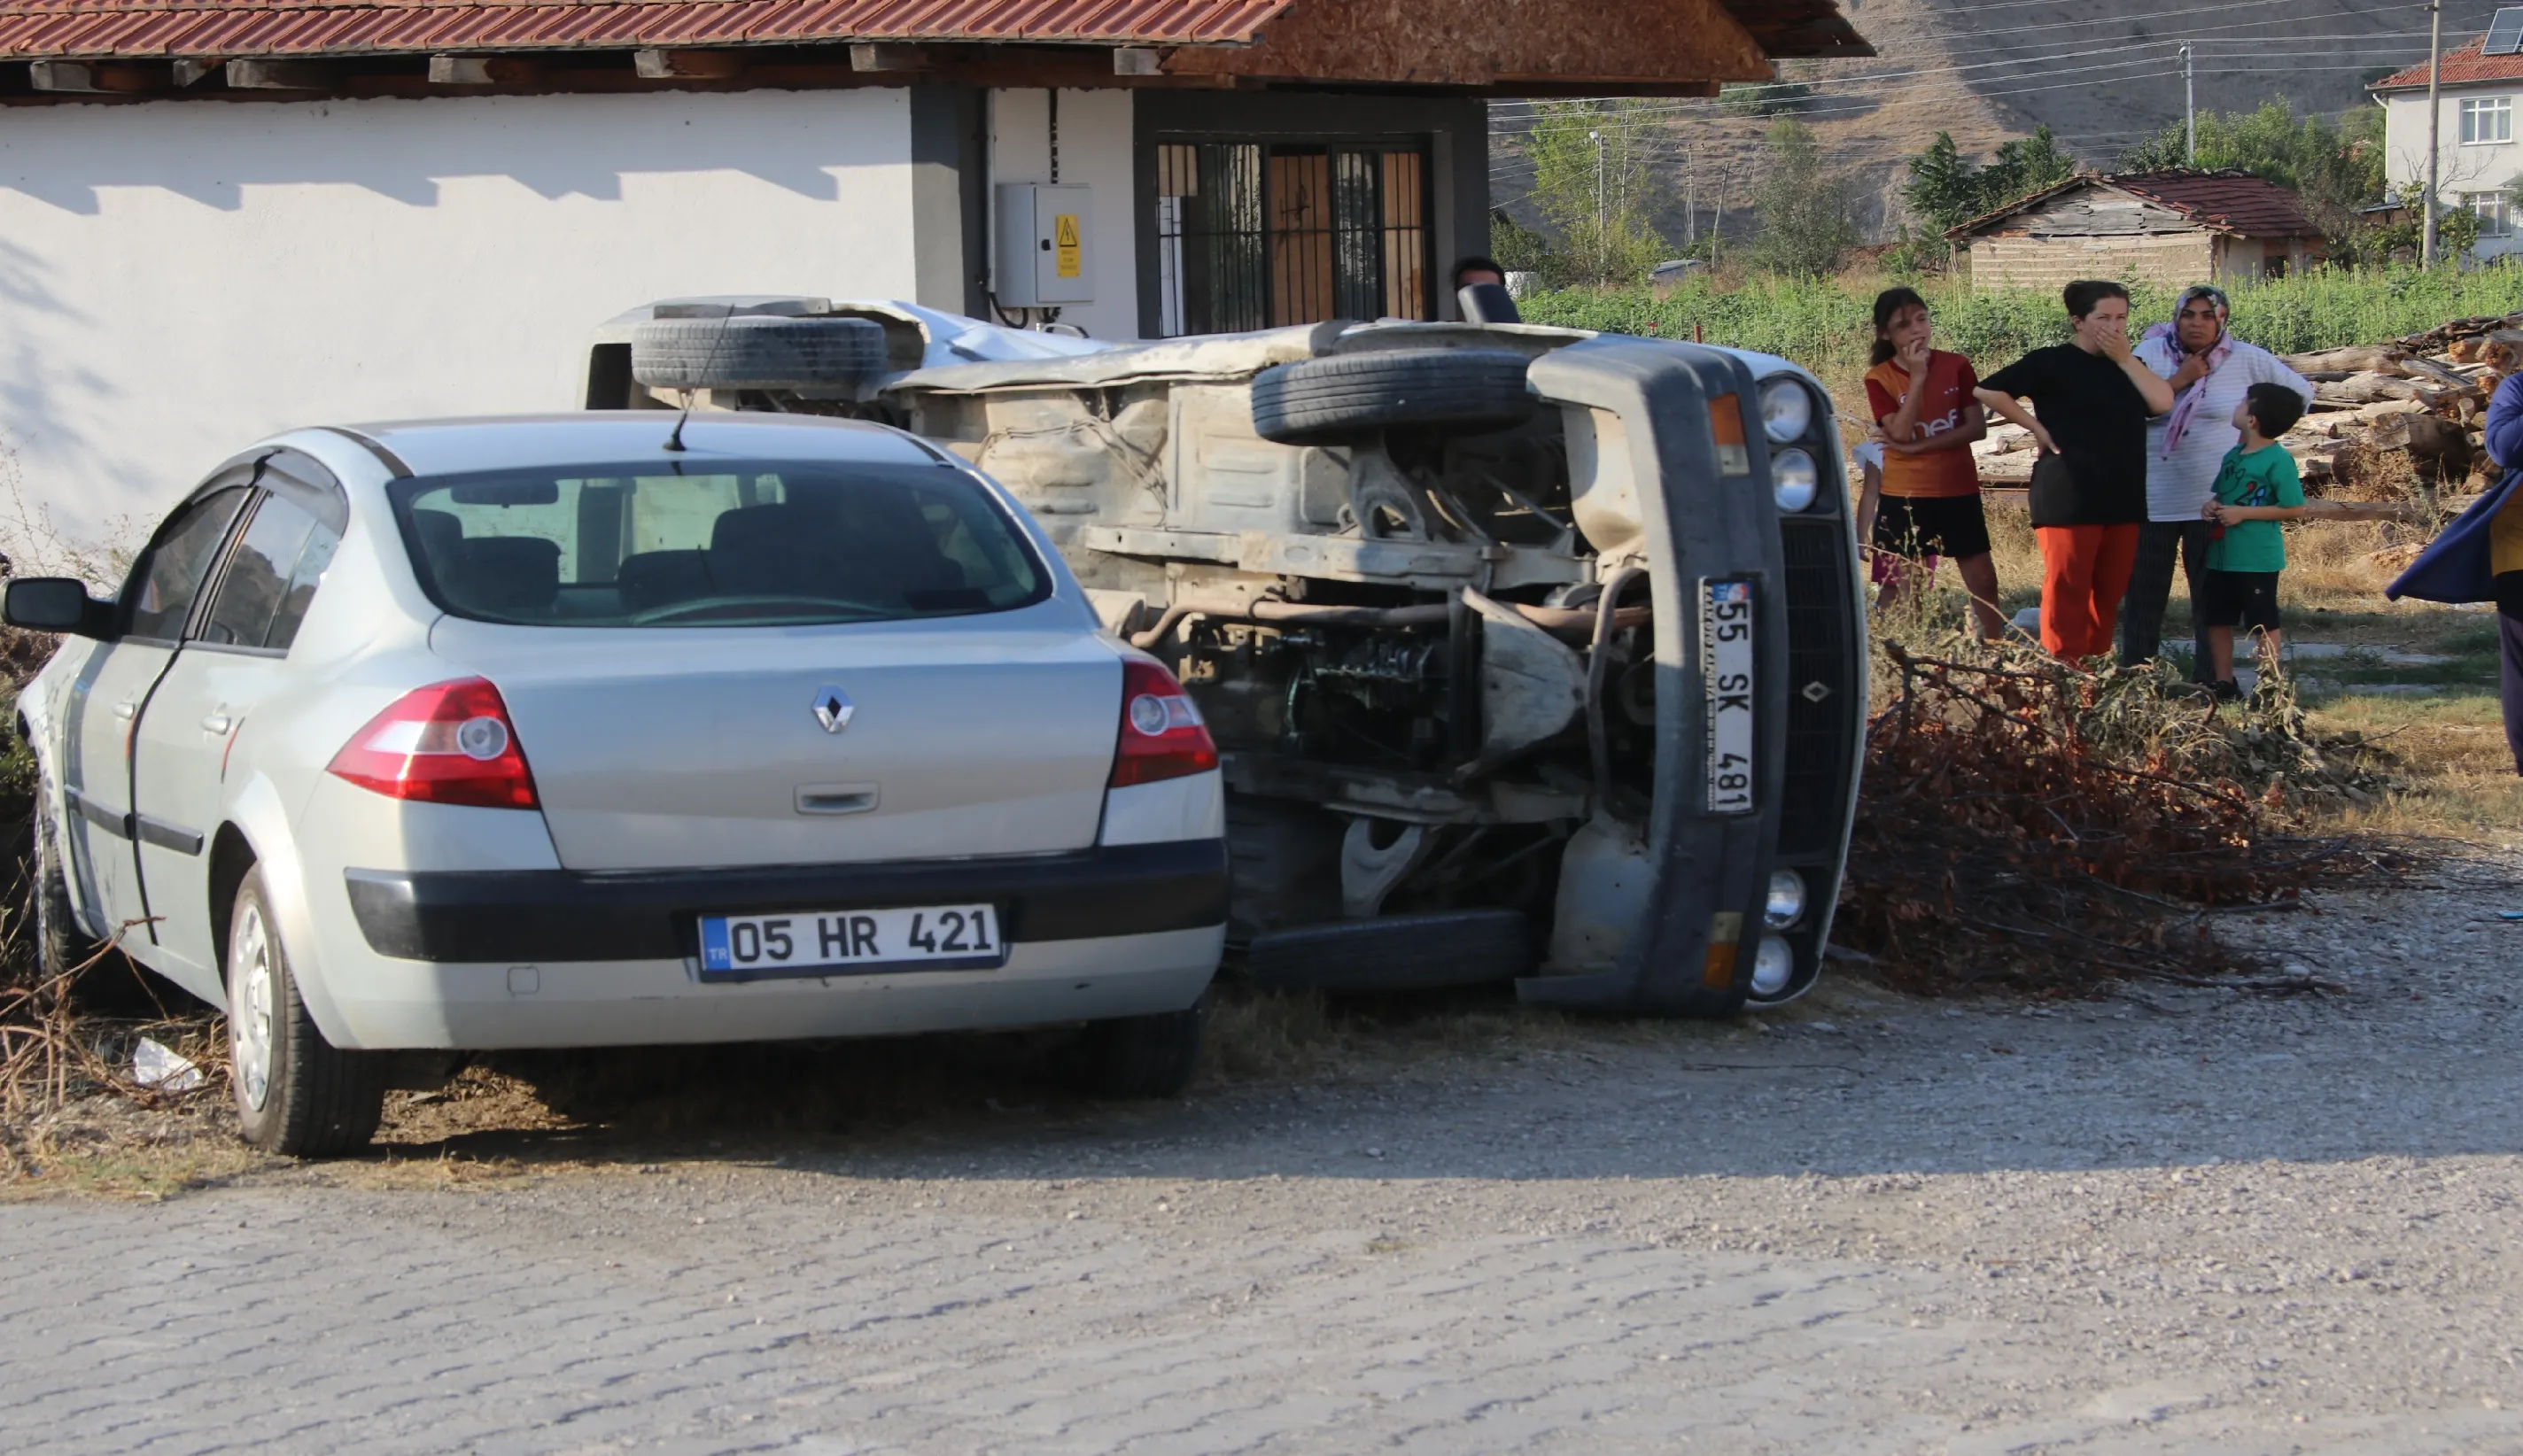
{"points": [[2479, 557]]}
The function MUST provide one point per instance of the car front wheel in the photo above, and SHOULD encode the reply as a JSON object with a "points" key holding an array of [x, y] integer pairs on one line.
{"points": [[296, 1093]]}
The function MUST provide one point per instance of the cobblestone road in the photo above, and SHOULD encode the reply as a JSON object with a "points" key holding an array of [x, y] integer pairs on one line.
{"points": [[2218, 1224]]}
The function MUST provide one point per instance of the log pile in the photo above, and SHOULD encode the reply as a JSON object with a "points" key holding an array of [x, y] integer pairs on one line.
{"points": [[2416, 401]]}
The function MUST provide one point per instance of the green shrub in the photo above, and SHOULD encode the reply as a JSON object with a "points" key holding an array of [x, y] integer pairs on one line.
{"points": [[1825, 324]]}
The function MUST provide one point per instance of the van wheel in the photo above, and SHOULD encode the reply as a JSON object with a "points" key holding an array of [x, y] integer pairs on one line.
{"points": [[296, 1093], [1348, 398], [1140, 1057], [757, 352]]}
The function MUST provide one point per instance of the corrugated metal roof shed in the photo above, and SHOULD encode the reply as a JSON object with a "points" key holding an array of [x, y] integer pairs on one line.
{"points": [[136, 28]]}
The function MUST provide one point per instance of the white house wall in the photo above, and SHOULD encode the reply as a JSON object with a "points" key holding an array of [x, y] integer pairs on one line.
{"points": [[2475, 167], [1095, 139], [179, 278]]}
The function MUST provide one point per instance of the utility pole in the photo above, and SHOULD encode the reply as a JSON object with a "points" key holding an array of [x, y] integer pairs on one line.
{"points": [[1690, 196], [1717, 229], [1601, 252], [2189, 110], [2435, 107]]}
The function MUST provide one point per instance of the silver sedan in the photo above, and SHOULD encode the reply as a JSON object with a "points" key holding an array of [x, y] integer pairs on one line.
{"points": [[417, 738]]}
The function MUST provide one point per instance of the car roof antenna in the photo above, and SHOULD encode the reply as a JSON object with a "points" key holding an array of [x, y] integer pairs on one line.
{"points": [[675, 437]]}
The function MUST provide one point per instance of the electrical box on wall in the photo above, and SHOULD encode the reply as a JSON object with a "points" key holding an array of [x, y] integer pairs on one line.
{"points": [[1045, 257]]}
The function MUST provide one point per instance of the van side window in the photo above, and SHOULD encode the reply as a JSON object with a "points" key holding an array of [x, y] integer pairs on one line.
{"points": [[169, 579], [270, 578]]}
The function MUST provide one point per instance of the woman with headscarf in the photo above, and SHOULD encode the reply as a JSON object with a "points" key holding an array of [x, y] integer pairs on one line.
{"points": [[2209, 372]]}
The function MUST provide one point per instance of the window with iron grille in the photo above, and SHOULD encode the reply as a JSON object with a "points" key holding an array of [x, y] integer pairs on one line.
{"points": [[1253, 235]]}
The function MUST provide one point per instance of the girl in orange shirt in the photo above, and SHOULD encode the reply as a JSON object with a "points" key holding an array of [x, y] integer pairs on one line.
{"points": [[1926, 416]]}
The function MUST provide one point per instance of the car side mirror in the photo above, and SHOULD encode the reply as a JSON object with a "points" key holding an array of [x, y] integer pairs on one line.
{"points": [[55, 604], [1488, 302]]}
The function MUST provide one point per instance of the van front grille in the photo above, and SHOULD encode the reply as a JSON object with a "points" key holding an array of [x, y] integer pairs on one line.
{"points": [[1823, 685]]}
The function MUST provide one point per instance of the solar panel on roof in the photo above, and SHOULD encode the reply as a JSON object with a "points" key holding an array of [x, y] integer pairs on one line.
{"points": [[2504, 34]]}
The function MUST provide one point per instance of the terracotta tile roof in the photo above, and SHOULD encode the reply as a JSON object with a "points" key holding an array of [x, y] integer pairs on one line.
{"points": [[2461, 65], [2231, 201], [2234, 201], [133, 28]]}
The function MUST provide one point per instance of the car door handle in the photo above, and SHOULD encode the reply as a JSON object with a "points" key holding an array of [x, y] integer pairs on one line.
{"points": [[126, 709], [217, 722]]}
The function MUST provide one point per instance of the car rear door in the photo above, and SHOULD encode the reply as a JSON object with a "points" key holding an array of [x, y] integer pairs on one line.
{"points": [[235, 658], [107, 702]]}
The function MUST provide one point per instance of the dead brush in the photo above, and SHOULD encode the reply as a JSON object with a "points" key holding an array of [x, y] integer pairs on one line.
{"points": [[56, 1050], [2030, 827]]}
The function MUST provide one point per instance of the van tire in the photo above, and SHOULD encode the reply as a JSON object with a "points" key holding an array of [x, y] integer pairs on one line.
{"points": [[757, 351], [1141, 1058], [1350, 398], [315, 1100]]}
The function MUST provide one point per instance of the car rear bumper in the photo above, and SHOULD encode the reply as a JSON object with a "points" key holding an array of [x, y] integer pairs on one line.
{"points": [[488, 1006], [558, 916], [480, 961]]}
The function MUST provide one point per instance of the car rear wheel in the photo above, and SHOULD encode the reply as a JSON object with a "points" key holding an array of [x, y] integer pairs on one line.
{"points": [[1140, 1057], [757, 352], [1350, 398], [296, 1093]]}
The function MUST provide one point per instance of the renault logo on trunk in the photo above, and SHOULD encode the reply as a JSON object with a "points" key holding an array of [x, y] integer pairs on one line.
{"points": [[833, 708]]}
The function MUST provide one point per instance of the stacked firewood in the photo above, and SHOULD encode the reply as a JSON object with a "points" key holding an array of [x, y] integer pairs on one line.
{"points": [[2408, 411]]}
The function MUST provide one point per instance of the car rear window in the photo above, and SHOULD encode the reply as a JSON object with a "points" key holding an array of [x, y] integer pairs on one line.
{"points": [[716, 544]]}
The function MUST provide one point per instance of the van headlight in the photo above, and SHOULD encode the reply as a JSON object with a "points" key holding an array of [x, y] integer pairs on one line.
{"points": [[1785, 904], [1794, 480], [1787, 411], [1773, 966]]}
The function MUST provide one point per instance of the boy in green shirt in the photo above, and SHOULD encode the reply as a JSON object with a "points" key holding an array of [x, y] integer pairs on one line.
{"points": [[2257, 488]]}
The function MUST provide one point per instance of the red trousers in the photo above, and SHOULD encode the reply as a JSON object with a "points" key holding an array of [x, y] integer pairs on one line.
{"points": [[2084, 573]]}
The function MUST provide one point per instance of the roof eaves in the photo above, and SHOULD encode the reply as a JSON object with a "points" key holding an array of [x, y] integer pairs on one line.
{"points": [[1960, 231]]}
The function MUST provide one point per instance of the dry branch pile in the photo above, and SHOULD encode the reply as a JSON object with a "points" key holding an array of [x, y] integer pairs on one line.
{"points": [[2027, 826]]}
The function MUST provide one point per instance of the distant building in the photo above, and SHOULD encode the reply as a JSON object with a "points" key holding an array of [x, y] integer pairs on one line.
{"points": [[2479, 153], [2170, 227]]}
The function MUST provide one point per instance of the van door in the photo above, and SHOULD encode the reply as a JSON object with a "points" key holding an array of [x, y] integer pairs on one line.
{"points": [[106, 706], [183, 762]]}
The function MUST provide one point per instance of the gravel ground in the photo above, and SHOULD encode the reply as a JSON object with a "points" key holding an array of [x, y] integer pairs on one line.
{"points": [[2180, 1220]]}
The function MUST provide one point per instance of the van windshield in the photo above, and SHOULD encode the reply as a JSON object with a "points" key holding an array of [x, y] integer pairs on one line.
{"points": [[719, 544]]}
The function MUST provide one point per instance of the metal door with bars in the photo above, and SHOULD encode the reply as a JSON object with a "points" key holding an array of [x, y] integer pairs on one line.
{"points": [[1253, 235]]}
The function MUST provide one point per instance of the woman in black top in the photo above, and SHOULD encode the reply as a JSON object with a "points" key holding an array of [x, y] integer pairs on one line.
{"points": [[2090, 402]]}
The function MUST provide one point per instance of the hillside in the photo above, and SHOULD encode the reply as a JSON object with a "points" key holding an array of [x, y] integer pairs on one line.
{"points": [[2100, 74]]}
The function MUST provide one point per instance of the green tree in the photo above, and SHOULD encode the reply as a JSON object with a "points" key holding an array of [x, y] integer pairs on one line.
{"points": [[1805, 225], [1946, 189], [1943, 190], [2335, 167], [1518, 247], [1596, 186], [2024, 166]]}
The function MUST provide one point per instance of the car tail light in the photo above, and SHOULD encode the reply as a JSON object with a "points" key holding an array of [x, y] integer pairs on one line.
{"points": [[1161, 735], [448, 743]]}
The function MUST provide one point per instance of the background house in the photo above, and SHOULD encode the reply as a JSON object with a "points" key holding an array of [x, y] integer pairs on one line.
{"points": [[219, 218], [2479, 154], [2172, 227]]}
